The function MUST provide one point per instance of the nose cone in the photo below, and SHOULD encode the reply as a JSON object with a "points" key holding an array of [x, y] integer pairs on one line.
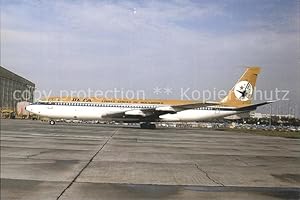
{"points": [[28, 108]]}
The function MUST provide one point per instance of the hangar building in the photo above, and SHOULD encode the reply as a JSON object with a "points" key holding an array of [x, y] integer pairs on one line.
{"points": [[14, 89]]}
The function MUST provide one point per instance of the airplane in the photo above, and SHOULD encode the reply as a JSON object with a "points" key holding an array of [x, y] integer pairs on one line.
{"points": [[147, 112]]}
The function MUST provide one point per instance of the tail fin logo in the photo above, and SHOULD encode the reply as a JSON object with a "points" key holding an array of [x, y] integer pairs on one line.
{"points": [[243, 91]]}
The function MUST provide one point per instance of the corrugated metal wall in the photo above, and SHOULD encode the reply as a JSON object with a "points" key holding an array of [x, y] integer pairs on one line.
{"points": [[13, 89]]}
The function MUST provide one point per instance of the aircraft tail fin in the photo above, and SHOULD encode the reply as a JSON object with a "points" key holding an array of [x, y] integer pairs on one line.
{"points": [[242, 92]]}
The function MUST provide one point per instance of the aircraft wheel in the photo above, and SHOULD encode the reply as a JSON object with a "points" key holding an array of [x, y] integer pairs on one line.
{"points": [[148, 126], [51, 122], [152, 126]]}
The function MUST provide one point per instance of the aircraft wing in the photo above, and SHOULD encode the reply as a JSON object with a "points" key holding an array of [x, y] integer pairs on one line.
{"points": [[155, 112], [194, 105]]}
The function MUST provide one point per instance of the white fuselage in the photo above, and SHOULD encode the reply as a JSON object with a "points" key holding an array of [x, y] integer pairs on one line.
{"points": [[94, 111]]}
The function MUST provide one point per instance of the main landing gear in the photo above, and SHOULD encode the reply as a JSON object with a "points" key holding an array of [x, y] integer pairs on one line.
{"points": [[51, 122], [147, 125]]}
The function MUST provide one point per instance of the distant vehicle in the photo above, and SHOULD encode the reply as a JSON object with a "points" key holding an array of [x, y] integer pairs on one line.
{"points": [[21, 111], [8, 114], [145, 112]]}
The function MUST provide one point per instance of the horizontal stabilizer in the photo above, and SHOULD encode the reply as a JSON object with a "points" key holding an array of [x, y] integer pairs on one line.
{"points": [[254, 106]]}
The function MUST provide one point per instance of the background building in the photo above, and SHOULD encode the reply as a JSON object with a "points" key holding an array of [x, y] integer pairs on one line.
{"points": [[14, 89]]}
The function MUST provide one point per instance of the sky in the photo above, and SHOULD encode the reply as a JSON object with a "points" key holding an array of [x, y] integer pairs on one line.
{"points": [[143, 45]]}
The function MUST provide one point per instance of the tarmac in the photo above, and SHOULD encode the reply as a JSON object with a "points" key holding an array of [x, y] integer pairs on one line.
{"points": [[92, 161]]}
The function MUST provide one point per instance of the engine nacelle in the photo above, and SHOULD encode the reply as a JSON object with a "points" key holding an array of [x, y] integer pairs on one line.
{"points": [[135, 112], [165, 108]]}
